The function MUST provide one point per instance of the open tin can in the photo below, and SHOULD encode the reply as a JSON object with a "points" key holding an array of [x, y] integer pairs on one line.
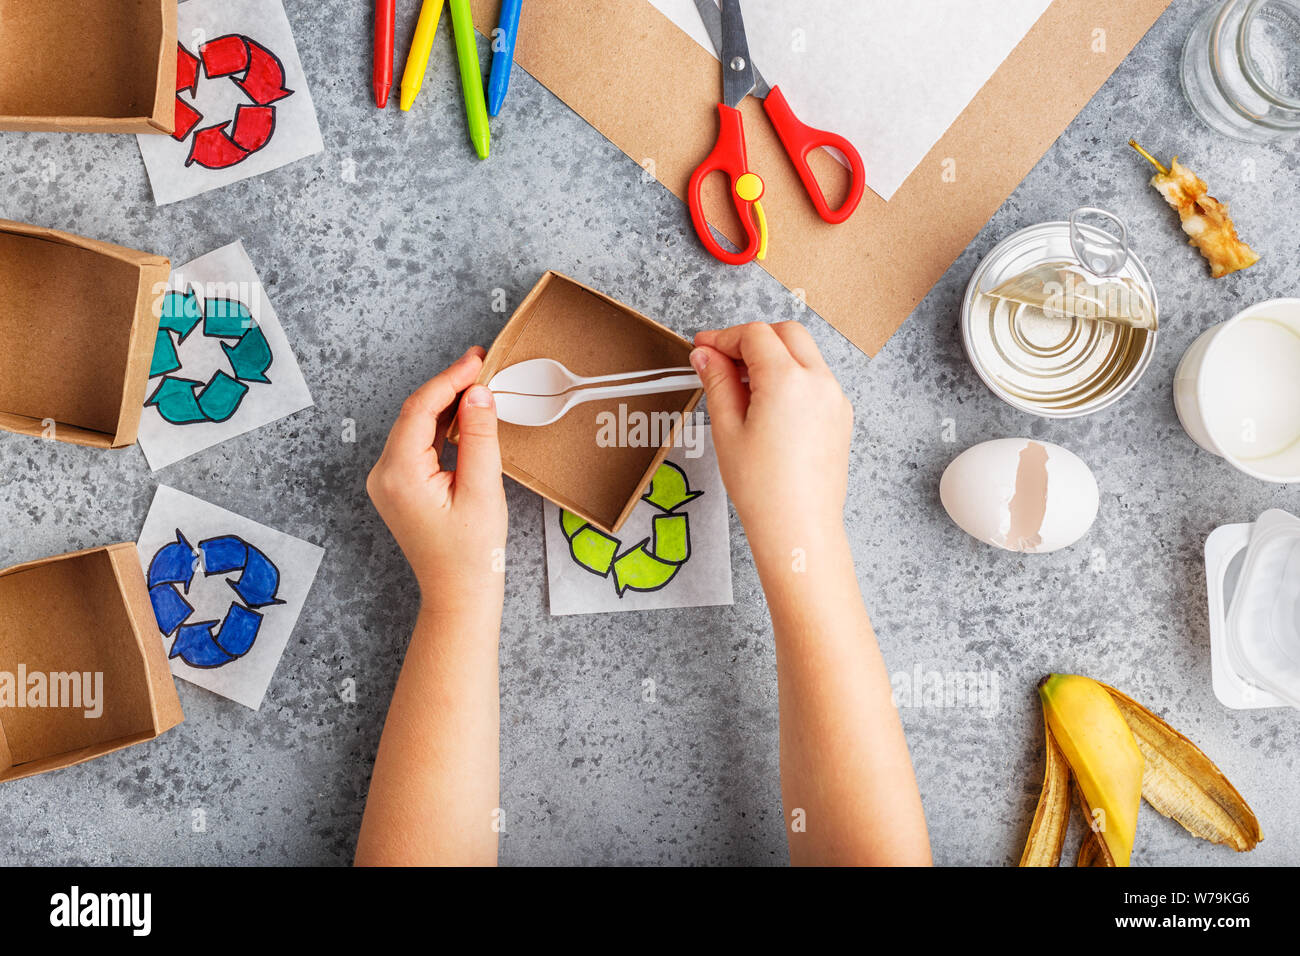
{"points": [[1059, 355]]}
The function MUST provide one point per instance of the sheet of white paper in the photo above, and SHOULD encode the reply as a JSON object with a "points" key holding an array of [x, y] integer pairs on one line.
{"points": [[587, 568], [212, 355], [226, 592], [252, 110], [891, 77]]}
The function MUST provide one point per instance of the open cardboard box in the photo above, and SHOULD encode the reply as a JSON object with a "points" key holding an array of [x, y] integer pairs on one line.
{"points": [[77, 333], [77, 614], [90, 66], [592, 334]]}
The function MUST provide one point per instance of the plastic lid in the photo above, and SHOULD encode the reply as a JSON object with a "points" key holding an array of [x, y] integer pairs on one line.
{"points": [[1264, 620]]}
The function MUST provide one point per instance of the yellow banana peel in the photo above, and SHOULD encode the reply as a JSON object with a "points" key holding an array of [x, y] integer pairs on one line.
{"points": [[1052, 818], [1092, 852], [1111, 752], [1103, 757], [1184, 784]]}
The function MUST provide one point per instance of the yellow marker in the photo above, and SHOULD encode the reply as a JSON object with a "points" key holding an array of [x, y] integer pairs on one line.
{"points": [[418, 59]]}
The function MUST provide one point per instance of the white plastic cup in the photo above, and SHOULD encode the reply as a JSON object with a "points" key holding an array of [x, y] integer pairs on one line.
{"points": [[1237, 391]]}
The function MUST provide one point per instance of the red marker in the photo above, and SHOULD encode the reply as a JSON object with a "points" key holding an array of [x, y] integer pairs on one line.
{"points": [[385, 39]]}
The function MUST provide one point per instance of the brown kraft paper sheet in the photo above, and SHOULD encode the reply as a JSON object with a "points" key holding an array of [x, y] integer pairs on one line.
{"points": [[649, 88]]}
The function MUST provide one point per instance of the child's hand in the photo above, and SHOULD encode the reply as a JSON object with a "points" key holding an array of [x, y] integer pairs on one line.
{"points": [[451, 525], [783, 439]]}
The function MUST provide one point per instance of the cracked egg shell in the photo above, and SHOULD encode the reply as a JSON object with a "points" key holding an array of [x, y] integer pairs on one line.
{"points": [[1020, 494]]}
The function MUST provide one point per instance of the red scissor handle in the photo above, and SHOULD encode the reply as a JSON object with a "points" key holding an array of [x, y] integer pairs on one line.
{"points": [[729, 156], [800, 139]]}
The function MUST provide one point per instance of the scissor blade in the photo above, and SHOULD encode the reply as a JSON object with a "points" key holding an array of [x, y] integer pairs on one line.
{"points": [[712, 18]]}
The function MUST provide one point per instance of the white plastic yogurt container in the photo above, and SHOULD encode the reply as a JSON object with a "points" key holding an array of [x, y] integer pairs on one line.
{"points": [[1237, 391]]}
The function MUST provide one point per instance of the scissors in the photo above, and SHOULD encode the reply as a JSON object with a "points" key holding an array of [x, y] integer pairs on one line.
{"points": [[739, 79]]}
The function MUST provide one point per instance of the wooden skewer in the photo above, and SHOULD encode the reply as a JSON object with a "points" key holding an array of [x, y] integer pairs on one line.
{"points": [[1164, 171]]}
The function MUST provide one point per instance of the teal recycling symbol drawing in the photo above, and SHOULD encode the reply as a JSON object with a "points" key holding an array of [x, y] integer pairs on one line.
{"points": [[652, 564], [186, 401]]}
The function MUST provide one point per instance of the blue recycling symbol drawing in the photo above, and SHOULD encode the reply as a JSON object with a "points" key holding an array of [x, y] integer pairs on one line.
{"points": [[186, 401], [171, 572]]}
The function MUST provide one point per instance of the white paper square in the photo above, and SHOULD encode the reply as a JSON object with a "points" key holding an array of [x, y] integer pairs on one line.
{"points": [[258, 28], [890, 77], [206, 536], [703, 579], [279, 389]]}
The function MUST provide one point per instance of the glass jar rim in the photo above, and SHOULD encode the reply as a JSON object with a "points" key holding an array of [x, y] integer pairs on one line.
{"points": [[1249, 69]]}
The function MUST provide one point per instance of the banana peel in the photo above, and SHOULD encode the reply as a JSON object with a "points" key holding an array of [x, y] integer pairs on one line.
{"points": [[1092, 848], [1104, 758], [1183, 784], [1052, 818], [1177, 779], [1092, 852]]}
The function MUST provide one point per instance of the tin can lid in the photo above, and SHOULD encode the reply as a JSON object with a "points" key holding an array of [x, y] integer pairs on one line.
{"points": [[1049, 365]]}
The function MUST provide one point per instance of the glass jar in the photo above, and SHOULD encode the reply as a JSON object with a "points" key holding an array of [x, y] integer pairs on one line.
{"points": [[1241, 69]]}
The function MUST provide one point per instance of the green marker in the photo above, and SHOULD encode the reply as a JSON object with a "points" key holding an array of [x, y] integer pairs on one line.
{"points": [[471, 76]]}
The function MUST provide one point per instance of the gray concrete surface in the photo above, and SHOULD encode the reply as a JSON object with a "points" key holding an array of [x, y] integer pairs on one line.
{"points": [[381, 257]]}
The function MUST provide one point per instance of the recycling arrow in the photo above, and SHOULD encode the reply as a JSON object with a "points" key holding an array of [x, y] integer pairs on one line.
{"points": [[257, 72], [250, 357], [198, 644], [187, 81], [185, 401], [653, 563], [225, 145], [176, 402], [172, 565], [669, 489], [263, 78]]}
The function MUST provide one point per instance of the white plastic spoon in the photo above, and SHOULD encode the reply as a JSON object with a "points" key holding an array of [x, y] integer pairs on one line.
{"points": [[538, 410], [545, 376]]}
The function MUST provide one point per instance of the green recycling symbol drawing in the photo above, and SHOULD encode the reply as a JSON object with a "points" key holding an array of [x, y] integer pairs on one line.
{"points": [[184, 401], [652, 564]]}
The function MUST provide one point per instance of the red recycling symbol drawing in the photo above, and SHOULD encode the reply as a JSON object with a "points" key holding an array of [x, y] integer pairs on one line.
{"points": [[251, 67]]}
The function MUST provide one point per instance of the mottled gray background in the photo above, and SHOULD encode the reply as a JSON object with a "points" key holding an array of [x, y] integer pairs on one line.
{"points": [[383, 280]]}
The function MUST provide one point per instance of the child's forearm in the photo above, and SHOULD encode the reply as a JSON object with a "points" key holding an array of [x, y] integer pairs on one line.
{"points": [[846, 777], [435, 792]]}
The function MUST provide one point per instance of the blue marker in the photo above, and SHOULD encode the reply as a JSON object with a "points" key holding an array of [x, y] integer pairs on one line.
{"points": [[503, 55]]}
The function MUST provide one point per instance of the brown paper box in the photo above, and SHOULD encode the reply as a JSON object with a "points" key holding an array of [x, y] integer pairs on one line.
{"points": [[90, 66], [77, 332], [77, 613], [648, 87], [592, 334]]}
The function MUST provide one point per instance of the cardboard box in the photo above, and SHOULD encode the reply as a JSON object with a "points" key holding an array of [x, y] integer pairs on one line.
{"points": [[82, 613], [88, 66], [592, 334], [77, 332]]}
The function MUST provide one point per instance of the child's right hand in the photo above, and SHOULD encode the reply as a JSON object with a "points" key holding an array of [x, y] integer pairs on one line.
{"points": [[783, 439]]}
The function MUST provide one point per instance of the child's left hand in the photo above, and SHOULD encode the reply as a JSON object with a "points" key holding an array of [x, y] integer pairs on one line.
{"points": [[451, 525]]}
